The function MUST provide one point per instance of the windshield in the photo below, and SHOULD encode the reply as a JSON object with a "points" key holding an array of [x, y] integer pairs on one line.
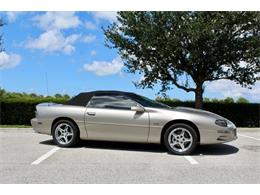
{"points": [[146, 102]]}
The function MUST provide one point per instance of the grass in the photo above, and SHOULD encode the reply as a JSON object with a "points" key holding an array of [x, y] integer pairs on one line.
{"points": [[15, 126]]}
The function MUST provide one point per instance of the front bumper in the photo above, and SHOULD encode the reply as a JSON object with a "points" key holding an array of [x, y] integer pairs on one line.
{"points": [[227, 135]]}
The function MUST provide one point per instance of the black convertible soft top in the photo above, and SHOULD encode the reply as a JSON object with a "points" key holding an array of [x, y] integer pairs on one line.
{"points": [[83, 98]]}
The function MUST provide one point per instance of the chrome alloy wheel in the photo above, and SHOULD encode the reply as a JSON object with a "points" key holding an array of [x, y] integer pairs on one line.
{"points": [[64, 133], [180, 139]]}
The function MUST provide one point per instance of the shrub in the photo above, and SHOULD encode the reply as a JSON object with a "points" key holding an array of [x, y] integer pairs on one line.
{"points": [[20, 112]]}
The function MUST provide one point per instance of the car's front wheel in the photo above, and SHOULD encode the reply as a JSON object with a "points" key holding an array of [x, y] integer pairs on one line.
{"points": [[180, 139], [65, 133]]}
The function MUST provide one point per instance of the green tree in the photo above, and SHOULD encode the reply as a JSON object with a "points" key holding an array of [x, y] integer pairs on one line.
{"points": [[206, 99], [229, 100], [186, 49], [57, 95], [159, 99], [2, 92], [66, 96], [33, 95], [242, 100]]}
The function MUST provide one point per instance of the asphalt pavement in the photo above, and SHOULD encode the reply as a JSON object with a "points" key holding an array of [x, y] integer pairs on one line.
{"points": [[27, 157]]}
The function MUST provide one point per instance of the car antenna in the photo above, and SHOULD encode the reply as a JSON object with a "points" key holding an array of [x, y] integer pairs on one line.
{"points": [[47, 85]]}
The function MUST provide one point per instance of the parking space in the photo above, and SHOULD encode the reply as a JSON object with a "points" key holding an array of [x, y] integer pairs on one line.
{"points": [[27, 157]]}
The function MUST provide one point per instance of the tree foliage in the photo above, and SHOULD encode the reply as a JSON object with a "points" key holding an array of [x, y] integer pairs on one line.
{"points": [[170, 47], [227, 100], [242, 100], [27, 97]]}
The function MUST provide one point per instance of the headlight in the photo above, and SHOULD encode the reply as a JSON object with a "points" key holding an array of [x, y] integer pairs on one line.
{"points": [[230, 125], [224, 123], [221, 122]]}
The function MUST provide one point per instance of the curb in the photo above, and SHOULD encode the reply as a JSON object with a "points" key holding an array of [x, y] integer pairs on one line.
{"points": [[249, 129], [12, 130]]}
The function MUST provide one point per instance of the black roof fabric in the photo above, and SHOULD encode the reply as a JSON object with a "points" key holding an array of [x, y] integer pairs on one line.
{"points": [[83, 98]]}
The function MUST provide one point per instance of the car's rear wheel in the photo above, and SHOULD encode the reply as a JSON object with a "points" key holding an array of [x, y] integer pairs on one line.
{"points": [[65, 133], [180, 139]]}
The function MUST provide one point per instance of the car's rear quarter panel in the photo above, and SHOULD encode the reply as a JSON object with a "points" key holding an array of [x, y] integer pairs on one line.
{"points": [[47, 114]]}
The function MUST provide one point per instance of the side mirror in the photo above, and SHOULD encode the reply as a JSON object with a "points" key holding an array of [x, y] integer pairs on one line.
{"points": [[137, 108]]}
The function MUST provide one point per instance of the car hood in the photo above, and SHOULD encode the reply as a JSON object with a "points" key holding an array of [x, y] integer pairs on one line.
{"points": [[196, 111]]}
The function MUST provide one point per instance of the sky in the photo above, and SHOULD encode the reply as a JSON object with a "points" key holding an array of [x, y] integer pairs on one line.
{"points": [[67, 51]]}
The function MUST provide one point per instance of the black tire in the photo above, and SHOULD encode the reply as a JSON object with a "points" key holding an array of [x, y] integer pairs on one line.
{"points": [[74, 129], [192, 144]]}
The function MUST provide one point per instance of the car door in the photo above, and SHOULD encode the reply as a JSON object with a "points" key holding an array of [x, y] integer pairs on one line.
{"points": [[109, 117]]}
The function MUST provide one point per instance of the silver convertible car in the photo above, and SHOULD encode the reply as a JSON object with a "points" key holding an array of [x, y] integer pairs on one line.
{"points": [[128, 117]]}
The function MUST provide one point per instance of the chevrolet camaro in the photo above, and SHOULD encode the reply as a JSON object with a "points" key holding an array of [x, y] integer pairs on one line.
{"points": [[128, 117]]}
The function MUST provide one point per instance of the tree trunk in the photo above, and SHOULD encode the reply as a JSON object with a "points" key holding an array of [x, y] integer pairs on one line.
{"points": [[199, 97]]}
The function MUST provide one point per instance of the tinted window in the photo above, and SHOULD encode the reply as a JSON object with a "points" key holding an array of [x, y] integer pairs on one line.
{"points": [[146, 102], [116, 102]]}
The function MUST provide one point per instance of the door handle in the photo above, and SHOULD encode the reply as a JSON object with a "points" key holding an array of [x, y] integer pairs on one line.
{"points": [[91, 113]]}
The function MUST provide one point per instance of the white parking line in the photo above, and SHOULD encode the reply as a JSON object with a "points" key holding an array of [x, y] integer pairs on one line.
{"points": [[248, 137], [191, 160], [45, 156]]}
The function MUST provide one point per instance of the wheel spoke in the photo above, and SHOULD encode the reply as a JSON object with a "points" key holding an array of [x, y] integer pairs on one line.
{"points": [[66, 128], [59, 129], [66, 139], [187, 140], [182, 146], [173, 144], [59, 137]]}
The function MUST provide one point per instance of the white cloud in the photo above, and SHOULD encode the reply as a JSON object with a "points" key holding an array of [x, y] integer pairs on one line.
{"points": [[89, 25], [9, 60], [53, 41], [102, 68], [230, 89], [12, 16], [105, 15], [93, 53], [57, 20], [89, 38]]}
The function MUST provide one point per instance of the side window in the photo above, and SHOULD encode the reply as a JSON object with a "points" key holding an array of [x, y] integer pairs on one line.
{"points": [[111, 101]]}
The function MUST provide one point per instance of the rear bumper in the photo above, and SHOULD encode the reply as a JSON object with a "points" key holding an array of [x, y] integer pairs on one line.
{"points": [[36, 125], [41, 126]]}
